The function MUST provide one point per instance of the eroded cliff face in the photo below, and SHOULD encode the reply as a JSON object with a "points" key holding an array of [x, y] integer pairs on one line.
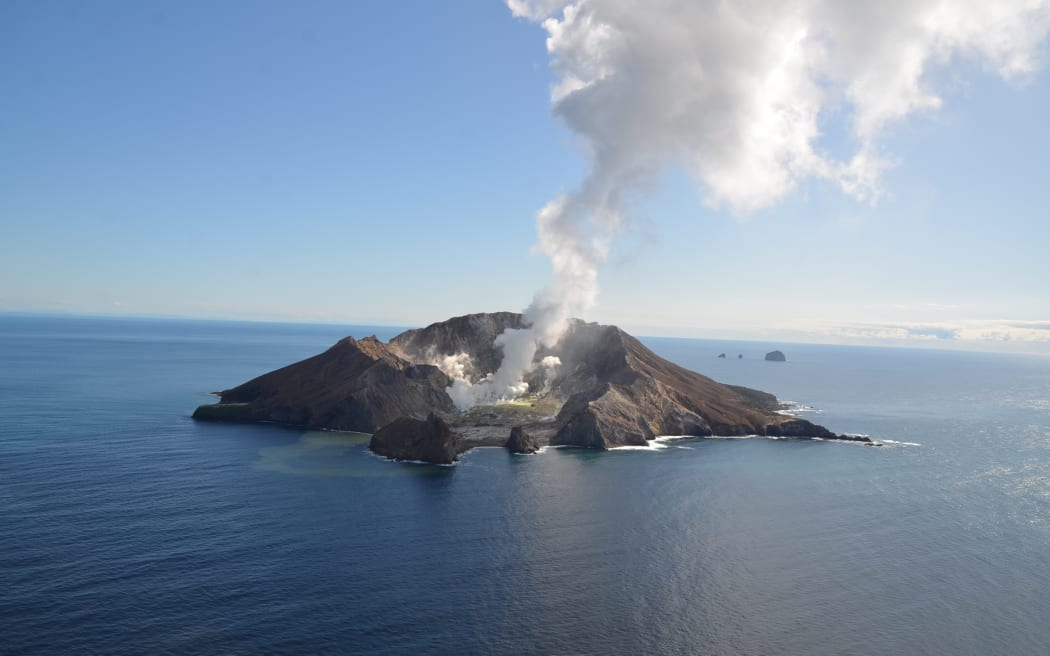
{"points": [[472, 334], [609, 390]]}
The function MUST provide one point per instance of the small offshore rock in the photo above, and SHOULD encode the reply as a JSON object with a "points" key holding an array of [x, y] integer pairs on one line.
{"points": [[776, 356], [407, 438], [801, 429], [521, 442]]}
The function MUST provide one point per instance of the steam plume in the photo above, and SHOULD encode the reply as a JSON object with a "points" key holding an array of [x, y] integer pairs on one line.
{"points": [[734, 93]]}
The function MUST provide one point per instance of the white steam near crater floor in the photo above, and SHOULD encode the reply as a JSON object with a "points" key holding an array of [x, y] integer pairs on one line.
{"points": [[497, 386]]}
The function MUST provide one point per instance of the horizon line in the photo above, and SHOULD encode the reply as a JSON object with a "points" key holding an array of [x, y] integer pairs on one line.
{"points": [[798, 337]]}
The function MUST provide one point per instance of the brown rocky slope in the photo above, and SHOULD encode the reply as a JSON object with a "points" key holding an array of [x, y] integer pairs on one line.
{"points": [[356, 385], [609, 391]]}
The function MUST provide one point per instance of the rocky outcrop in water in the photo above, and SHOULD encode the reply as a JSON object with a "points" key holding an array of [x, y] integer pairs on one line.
{"points": [[609, 390], [803, 430], [521, 442], [425, 440], [776, 356]]}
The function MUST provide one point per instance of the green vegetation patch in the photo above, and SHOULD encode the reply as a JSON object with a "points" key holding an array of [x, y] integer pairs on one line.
{"points": [[224, 412]]}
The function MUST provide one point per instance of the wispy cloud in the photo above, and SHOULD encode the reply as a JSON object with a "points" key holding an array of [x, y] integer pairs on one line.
{"points": [[923, 306], [972, 330]]}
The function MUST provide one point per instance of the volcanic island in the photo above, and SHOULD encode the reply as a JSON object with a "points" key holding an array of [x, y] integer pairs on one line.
{"points": [[606, 390]]}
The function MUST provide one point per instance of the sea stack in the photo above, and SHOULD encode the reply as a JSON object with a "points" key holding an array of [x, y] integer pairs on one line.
{"points": [[405, 438], [521, 442]]}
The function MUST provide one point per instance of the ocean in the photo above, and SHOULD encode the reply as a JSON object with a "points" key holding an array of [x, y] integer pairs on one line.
{"points": [[127, 528]]}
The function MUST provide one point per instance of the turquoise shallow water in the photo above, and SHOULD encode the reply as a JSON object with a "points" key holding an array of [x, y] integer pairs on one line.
{"points": [[126, 528]]}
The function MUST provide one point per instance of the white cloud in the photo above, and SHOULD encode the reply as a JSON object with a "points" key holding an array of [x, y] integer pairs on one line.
{"points": [[734, 92]]}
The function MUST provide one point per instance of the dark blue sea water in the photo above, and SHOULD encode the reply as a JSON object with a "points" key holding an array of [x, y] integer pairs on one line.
{"points": [[126, 528]]}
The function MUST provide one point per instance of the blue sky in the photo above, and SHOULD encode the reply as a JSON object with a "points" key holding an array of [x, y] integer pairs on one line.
{"points": [[384, 163]]}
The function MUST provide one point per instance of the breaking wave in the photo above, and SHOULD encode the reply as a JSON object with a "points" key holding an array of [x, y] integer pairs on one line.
{"points": [[793, 409]]}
